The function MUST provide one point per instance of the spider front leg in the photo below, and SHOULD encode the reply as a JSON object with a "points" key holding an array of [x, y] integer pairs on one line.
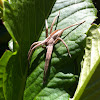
{"points": [[35, 43], [32, 49], [63, 43], [54, 22]]}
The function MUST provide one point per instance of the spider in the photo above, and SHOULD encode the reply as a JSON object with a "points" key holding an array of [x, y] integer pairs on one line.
{"points": [[49, 42]]}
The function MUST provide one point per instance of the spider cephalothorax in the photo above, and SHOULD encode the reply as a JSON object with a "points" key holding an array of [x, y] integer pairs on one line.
{"points": [[49, 42]]}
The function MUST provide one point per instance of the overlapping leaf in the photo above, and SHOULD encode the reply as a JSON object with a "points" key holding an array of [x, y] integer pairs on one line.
{"points": [[90, 64], [62, 75], [3, 63], [24, 21]]}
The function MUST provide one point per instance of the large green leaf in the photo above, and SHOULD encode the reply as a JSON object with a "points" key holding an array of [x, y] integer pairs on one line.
{"points": [[63, 73], [24, 21], [90, 67]]}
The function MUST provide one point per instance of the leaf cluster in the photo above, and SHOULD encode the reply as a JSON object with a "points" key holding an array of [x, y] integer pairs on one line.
{"points": [[75, 78]]}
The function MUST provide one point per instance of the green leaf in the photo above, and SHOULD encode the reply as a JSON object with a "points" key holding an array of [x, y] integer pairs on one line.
{"points": [[90, 67], [24, 21], [92, 89], [3, 63], [62, 77]]}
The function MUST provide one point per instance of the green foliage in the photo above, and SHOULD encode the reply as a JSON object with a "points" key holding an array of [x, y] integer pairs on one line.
{"points": [[90, 63], [24, 21], [3, 63]]}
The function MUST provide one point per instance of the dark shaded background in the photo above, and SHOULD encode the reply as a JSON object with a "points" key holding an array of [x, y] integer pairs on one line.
{"points": [[5, 37], [97, 5]]}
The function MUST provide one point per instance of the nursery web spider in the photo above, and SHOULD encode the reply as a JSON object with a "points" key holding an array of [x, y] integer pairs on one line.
{"points": [[49, 42]]}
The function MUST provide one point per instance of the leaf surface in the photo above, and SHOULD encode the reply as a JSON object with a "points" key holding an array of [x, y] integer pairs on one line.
{"points": [[88, 87], [3, 63], [24, 20], [62, 77]]}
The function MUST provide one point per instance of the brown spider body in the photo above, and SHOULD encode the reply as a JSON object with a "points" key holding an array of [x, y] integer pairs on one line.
{"points": [[49, 42]]}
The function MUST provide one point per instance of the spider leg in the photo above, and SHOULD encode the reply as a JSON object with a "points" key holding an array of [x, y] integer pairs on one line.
{"points": [[54, 22], [57, 23], [64, 44], [73, 25], [35, 43], [46, 28], [62, 30], [48, 57], [31, 50]]}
